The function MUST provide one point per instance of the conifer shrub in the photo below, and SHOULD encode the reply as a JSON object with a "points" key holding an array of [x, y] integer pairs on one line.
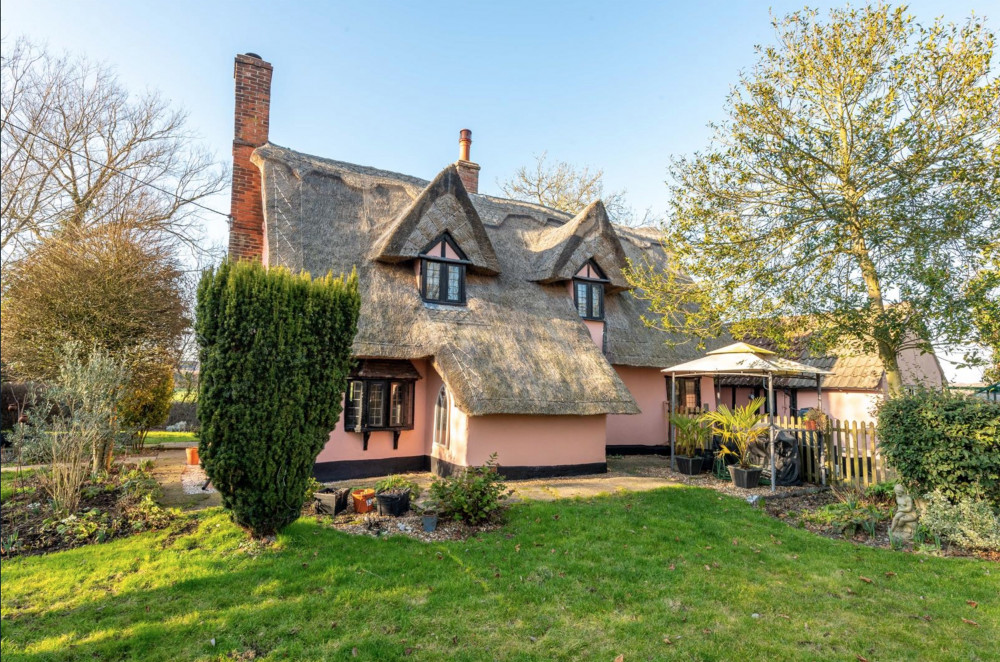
{"points": [[275, 350]]}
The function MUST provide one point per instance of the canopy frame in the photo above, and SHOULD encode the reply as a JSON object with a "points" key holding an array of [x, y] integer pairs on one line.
{"points": [[769, 369]]}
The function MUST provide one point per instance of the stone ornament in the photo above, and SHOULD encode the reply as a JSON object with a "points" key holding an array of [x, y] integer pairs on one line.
{"points": [[904, 522]]}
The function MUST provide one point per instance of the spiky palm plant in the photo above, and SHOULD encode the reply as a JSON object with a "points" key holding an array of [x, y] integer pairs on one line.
{"points": [[739, 428]]}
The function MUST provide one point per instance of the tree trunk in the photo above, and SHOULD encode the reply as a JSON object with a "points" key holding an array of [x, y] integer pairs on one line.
{"points": [[886, 353], [890, 364]]}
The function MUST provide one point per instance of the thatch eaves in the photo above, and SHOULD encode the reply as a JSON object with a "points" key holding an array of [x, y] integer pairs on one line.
{"points": [[562, 250], [444, 206], [518, 346]]}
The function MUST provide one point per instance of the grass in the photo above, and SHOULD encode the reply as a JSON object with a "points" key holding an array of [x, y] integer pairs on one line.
{"points": [[564, 580], [158, 437], [8, 482]]}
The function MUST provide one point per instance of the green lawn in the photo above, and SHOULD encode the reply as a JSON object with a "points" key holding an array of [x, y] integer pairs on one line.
{"points": [[564, 580], [158, 437], [8, 482]]}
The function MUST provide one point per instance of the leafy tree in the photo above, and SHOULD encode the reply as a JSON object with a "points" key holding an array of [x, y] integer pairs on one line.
{"points": [[566, 188], [275, 356], [853, 184]]}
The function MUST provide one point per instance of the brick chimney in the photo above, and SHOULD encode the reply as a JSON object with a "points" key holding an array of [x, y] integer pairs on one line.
{"points": [[253, 107], [467, 170]]}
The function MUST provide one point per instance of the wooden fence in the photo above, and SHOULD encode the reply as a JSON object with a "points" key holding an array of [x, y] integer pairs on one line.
{"points": [[845, 452]]}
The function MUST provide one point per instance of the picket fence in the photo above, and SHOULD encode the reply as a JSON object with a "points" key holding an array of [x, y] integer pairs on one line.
{"points": [[844, 452]]}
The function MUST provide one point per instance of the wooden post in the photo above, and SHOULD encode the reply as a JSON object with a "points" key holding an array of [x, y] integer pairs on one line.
{"points": [[823, 459]]}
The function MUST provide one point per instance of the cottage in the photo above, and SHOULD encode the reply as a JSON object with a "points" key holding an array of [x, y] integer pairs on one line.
{"points": [[487, 325]]}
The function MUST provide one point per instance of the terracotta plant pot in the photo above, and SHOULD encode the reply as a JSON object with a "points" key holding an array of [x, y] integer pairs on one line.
{"points": [[747, 478], [192, 456], [364, 500], [811, 425]]}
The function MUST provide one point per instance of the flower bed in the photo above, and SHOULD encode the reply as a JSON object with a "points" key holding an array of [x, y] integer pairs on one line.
{"points": [[119, 504]]}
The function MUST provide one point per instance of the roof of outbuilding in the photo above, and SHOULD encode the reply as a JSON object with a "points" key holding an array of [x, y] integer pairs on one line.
{"points": [[518, 346]]}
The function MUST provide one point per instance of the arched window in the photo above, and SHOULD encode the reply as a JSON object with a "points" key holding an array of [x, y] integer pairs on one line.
{"points": [[442, 418]]}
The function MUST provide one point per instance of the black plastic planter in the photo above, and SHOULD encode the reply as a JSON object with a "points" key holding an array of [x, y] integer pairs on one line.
{"points": [[689, 466], [393, 504], [745, 478], [335, 500]]}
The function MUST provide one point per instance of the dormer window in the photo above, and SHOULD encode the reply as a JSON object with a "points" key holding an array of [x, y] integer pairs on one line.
{"points": [[588, 291], [442, 272]]}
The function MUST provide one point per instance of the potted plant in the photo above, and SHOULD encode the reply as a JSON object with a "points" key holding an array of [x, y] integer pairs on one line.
{"points": [[333, 500], [739, 428], [429, 517], [690, 438], [816, 420], [393, 495], [363, 498]]}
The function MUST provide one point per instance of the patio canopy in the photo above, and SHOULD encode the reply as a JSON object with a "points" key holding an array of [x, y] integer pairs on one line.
{"points": [[742, 359]]}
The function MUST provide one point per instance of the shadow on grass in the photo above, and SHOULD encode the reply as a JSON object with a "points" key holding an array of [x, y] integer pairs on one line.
{"points": [[570, 579]]}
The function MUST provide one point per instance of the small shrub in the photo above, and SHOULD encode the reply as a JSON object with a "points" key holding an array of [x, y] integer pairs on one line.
{"points": [[398, 483], [971, 522], [854, 511], [943, 441], [474, 495], [147, 400], [312, 487], [882, 492]]}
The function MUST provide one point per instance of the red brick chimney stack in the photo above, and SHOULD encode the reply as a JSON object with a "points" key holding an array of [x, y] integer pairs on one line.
{"points": [[467, 170], [253, 107]]}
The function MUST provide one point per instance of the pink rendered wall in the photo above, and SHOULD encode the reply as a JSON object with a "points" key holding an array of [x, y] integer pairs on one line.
{"points": [[920, 369], [648, 428], [596, 332], [344, 445], [536, 441]]}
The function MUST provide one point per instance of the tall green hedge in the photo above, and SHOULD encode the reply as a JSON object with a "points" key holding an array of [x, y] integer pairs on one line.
{"points": [[938, 440], [275, 352]]}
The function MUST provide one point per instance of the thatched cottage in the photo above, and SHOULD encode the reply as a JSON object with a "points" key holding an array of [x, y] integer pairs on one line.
{"points": [[487, 325]]}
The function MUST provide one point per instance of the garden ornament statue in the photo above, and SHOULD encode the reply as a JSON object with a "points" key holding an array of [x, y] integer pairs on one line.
{"points": [[904, 522]]}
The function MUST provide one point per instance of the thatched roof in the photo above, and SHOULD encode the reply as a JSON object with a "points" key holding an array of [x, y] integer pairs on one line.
{"points": [[443, 206], [561, 250], [519, 346]]}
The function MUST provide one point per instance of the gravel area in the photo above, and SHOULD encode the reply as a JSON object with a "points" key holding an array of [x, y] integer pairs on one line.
{"points": [[192, 480]]}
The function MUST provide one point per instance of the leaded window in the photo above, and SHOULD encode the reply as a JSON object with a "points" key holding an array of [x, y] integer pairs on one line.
{"points": [[442, 272]]}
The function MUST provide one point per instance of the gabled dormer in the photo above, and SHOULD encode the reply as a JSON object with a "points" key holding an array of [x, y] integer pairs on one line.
{"points": [[442, 210], [442, 271], [588, 238], [588, 291]]}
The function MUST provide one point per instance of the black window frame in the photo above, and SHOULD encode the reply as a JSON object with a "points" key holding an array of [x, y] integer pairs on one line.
{"points": [[447, 266], [359, 421], [592, 285]]}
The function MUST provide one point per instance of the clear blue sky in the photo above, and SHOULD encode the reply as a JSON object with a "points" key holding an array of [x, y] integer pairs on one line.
{"points": [[618, 86]]}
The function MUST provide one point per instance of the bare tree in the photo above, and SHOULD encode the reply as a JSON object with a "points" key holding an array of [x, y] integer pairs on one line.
{"points": [[79, 151], [566, 188]]}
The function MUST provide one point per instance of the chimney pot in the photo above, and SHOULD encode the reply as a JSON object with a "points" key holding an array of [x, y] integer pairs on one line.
{"points": [[467, 170]]}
